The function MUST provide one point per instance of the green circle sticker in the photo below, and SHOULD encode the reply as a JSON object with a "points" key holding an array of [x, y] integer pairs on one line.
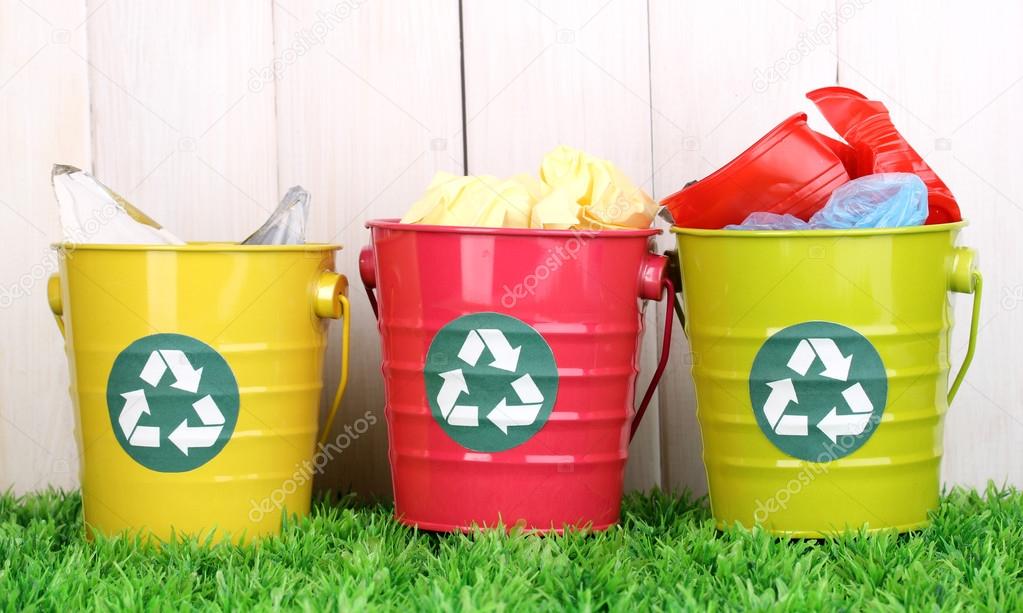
{"points": [[818, 390], [491, 381], [173, 402]]}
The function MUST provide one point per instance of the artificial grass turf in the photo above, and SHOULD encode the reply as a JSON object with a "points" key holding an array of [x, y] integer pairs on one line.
{"points": [[665, 555]]}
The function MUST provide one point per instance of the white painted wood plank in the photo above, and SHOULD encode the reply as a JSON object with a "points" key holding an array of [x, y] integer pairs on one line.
{"points": [[369, 108], [178, 130], [952, 76], [44, 105], [542, 74], [722, 75]]}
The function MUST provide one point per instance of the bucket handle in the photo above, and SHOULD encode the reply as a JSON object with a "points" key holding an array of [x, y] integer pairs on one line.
{"points": [[368, 274], [966, 279], [674, 273], [53, 296], [331, 302], [668, 287]]}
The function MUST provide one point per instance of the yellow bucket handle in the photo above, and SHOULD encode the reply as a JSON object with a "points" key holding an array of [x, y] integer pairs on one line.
{"points": [[56, 301], [966, 279], [332, 302]]}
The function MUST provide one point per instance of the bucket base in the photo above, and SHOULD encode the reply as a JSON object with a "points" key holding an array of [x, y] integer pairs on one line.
{"points": [[451, 528], [816, 534]]}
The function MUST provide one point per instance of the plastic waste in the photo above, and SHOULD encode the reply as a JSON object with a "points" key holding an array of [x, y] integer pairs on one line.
{"points": [[867, 127], [286, 225], [575, 191], [763, 220], [888, 200], [91, 212], [792, 169]]}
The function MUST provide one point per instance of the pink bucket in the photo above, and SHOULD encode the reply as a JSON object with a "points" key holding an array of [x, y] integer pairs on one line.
{"points": [[509, 360]]}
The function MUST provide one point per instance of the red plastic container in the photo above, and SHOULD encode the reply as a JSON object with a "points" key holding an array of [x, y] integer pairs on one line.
{"points": [[790, 170], [583, 293], [866, 125]]}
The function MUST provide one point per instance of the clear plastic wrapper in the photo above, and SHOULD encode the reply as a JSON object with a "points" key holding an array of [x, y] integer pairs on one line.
{"points": [[286, 225], [91, 212], [764, 220]]}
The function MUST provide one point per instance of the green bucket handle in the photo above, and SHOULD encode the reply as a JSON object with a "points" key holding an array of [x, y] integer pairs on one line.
{"points": [[964, 278]]}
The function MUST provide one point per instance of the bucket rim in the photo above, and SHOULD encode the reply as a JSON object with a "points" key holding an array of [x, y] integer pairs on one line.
{"points": [[755, 234], [395, 224], [196, 247]]}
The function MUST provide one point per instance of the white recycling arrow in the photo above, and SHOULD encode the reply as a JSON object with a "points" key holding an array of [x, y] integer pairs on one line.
{"points": [[834, 425], [453, 387], [464, 416], [471, 349], [505, 356], [153, 371], [792, 425], [856, 396], [187, 437], [836, 365], [505, 415], [208, 411], [526, 389], [802, 358], [782, 393], [186, 377], [135, 406], [447, 399]]}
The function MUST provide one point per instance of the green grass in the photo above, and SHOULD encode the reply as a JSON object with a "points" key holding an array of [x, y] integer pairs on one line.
{"points": [[666, 555]]}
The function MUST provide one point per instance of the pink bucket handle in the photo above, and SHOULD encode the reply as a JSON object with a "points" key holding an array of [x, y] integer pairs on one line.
{"points": [[368, 273]]}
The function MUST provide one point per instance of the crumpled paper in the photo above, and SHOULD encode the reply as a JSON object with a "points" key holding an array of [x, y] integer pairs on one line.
{"points": [[575, 191], [91, 212]]}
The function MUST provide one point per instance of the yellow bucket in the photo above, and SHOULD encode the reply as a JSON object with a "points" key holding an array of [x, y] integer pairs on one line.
{"points": [[196, 374], [821, 366]]}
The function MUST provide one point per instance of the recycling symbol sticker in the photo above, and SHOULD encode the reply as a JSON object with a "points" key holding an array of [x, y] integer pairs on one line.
{"points": [[491, 381], [818, 390], [173, 402]]}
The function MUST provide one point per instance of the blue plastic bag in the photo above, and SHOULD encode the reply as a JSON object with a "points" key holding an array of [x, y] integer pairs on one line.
{"points": [[887, 200]]}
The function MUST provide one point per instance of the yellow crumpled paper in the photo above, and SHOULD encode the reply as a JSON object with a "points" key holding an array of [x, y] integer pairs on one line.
{"points": [[575, 191]]}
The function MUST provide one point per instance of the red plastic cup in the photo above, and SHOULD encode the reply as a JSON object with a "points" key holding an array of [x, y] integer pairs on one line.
{"points": [[867, 126], [790, 170]]}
